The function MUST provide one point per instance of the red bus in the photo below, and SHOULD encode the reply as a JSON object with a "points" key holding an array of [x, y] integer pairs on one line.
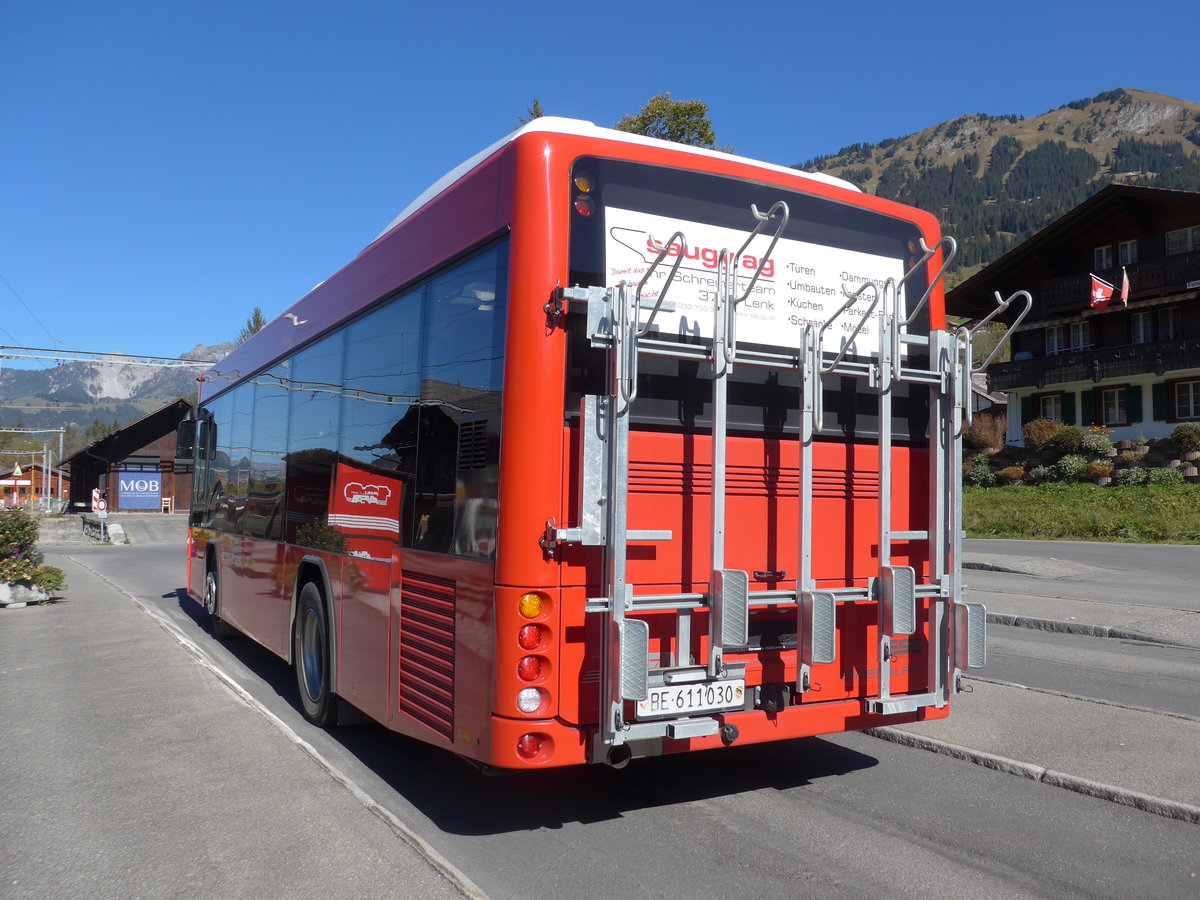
{"points": [[606, 448]]}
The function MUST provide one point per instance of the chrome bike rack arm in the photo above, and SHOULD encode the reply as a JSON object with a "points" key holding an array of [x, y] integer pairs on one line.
{"points": [[952, 249]]}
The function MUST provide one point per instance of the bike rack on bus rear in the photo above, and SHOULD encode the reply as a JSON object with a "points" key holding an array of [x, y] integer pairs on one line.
{"points": [[626, 674]]}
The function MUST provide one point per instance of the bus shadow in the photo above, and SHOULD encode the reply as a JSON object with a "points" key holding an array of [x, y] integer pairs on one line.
{"points": [[461, 799]]}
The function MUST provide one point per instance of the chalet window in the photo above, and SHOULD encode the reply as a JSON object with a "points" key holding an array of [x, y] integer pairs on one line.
{"points": [[1102, 257], [1050, 406], [1073, 337], [1081, 335], [1127, 252], [1187, 400], [1112, 406], [1170, 323], [1183, 240], [1141, 328], [1054, 340]]}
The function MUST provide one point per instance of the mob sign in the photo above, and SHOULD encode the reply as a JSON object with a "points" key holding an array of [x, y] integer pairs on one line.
{"points": [[140, 490]]}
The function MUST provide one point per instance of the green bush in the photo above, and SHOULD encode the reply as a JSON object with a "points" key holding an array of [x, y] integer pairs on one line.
{"points": [[1038, 432], [1068, 439], [20, 563], [1135, 475], [1186, 437], [1164, 475], [980, 472], [1132, 457], [1096, 443], [1037, 475], [1071, 467]]}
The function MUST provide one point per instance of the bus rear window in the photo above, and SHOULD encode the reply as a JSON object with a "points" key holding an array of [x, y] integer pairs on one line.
{"points": [[630, 214]]}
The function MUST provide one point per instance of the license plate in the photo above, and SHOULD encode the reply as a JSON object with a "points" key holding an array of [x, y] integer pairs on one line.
{"points": [[703, 696]]}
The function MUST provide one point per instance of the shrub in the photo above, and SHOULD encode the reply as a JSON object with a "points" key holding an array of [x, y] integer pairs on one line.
{"points": [[1071, 467], [1164, 476], [1096, 443], [1132, 457], [980, 472], [1098, 470], [1067, 439], [1186, 437], [987, 431], [1037, 475], [1130, 476], [1011, 474], [1038, 432], [20, 563]]}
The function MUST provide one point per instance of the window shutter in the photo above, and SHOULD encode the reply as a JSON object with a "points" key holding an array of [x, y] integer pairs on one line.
{"points": [[1068, 408], [1161, 406], [1133, 403], [1026, 410], [1087, 408]]}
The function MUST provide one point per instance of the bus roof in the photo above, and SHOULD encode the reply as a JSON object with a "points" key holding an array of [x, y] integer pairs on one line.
{"points": [[558, 125]]}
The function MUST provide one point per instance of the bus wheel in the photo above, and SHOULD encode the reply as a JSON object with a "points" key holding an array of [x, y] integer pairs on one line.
{"points": [[310, 653], [212, 605]]}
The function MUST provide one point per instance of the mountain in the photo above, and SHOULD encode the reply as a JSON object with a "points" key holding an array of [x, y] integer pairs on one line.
{"points": [[75, 394], [995, 180]]}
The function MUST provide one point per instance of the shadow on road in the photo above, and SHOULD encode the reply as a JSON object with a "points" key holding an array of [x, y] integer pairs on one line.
{"points": [[460, 799]]}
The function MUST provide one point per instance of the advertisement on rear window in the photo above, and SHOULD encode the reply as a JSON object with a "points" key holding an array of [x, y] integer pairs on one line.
{"points": [[801, 283]]}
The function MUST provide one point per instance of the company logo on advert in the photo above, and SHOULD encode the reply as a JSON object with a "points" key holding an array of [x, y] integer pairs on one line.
{"points": [[708, 257], [373, 494]]}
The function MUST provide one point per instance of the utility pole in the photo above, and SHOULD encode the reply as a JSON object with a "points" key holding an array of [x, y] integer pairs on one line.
{"points": [[46, 458]]}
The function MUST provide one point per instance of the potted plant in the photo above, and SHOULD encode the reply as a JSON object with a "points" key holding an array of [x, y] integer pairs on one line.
{"points": [[23, 576]]}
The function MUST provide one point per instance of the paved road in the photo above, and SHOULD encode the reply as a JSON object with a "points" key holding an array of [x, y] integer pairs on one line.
{"points": [[850, 816]]}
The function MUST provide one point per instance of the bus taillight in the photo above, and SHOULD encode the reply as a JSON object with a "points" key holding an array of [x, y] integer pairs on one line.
{"points": [[529, 668], [530, 637]]}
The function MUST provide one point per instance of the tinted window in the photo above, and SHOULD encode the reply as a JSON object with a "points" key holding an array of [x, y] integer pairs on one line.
{"points": [[264, 505], [380, 409]]}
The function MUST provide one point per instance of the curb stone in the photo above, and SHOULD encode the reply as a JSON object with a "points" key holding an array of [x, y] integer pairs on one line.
{"points": [[1102, 631], [1159, 806]]}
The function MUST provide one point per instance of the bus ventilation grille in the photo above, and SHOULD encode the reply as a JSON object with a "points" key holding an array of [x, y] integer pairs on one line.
{"points": [[427, 651]]}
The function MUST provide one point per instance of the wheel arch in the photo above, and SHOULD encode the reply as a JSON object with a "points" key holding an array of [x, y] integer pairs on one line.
{"points": [[312, 569]]}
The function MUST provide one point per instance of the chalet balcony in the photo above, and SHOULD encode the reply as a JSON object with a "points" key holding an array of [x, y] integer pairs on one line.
{"points": [[1124, 361], [1154, 278]]}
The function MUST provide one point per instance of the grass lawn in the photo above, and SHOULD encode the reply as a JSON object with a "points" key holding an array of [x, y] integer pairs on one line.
{"points": [[1164, 514]]}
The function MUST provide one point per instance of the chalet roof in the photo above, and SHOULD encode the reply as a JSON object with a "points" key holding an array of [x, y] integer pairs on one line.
{"points": [[1022, 266], [136, 435]]}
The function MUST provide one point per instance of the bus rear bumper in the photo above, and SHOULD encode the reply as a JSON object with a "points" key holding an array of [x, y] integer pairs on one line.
{"points": [[549, 743]]}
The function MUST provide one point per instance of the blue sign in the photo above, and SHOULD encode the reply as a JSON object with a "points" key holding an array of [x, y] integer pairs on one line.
{"points": [[140, 490]]}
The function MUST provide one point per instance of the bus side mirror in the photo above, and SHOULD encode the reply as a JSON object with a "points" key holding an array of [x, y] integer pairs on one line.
{"points": [[185, 439]]}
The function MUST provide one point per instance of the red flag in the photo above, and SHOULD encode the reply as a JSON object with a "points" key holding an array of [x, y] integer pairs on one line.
{"points": [[1124, 286], [1102, 292]]}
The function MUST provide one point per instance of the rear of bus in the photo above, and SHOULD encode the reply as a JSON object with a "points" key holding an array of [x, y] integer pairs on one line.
{"points": [[752, 532]]}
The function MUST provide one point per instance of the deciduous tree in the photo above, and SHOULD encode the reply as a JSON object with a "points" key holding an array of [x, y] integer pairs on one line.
{"points": [[681, 121]]}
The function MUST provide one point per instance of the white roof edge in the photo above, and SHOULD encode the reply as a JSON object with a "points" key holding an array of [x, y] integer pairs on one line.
{"points": [[559, 125]]}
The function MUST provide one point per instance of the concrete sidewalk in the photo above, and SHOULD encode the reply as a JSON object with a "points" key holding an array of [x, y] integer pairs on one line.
{"points": [[128, 769], [1138, 757]]}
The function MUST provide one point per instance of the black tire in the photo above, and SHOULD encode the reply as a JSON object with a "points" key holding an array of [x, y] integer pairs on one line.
{"points": [[212, 605], [310, 656]]}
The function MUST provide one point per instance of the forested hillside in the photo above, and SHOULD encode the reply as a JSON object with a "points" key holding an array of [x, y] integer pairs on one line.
{"points": [[995, 180]]}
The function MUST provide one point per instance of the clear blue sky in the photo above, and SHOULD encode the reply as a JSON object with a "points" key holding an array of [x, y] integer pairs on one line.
{"points": [[167, 166]]}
